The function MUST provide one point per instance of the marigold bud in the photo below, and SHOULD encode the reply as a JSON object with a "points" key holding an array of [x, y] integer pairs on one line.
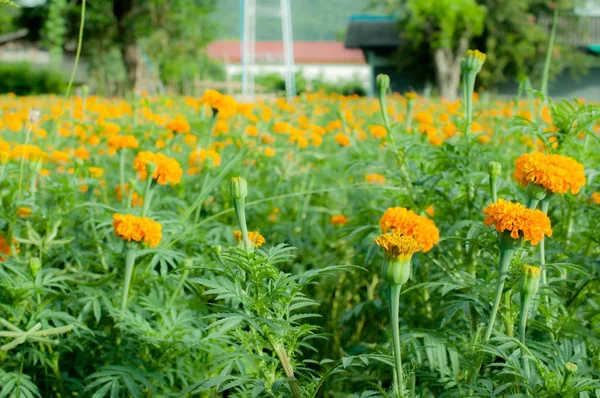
{"points": [[383, 82], [570, 368], [530, 280], [473, 61], [34, 265], [239, 188], [396, 271], [494, 169]]}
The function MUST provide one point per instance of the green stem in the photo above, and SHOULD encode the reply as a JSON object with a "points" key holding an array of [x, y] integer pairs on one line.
{"points": [[508, 324], [122, 174], [129, 265], [287, 366], [240, 211], [72, 79], [178, 288], [546, 73], [22, 165], [505, 257], [494, 187], [394, 310], [147, 195], [544, 208], [525, 304]]}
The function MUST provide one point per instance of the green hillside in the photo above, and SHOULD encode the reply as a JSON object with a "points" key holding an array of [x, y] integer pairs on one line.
{"points": [[311, 19]]}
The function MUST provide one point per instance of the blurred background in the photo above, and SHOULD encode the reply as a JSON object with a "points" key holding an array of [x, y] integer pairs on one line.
{"points": [[260, 47]]}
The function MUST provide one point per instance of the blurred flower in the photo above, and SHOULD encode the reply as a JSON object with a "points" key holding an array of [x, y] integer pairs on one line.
{"points": [[254, 237]]}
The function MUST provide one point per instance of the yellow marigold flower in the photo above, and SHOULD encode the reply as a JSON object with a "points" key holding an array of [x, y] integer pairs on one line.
{"points": [[82, 153], [397, 245], [406, 222], [59, 156], [167, 169], [342, 139], [111, 128], [252, 131], [24, 211], [199, 157], [139, 229], [596, 198], [556, 173], [375, 178], [269, 151], [410, 96], [519, 220], [96, 172], [27, 151], [117, 142], [339, 220], [254, 237], [224, 104]]}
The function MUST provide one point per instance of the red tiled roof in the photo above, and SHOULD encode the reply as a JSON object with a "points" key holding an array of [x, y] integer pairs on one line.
{"points": [[305, 52]]}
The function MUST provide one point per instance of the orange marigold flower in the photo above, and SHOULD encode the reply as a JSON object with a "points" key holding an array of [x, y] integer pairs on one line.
{"points": [[139, 229], [519, 220], [556, 173], [342, 139], [339, 220], [378, 131], [254, 237], [117, 142], [596, 198], [375, 178], [406, 222], [167, 169], [178, 125]]}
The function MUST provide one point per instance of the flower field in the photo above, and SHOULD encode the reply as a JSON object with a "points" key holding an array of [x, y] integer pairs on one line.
{"points": [[203, 247]]}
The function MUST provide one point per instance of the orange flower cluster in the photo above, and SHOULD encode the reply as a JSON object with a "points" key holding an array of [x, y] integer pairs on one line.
{"points": [[139, 229], [224, 104], [167, 169], [178, 125], [375, 178], [521, 221], [254, 237], [116, 142], [556, 173], [4, 248], [406, 222]]}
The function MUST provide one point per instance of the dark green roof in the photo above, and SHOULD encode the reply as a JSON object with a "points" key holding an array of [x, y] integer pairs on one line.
{"points": [[372, 31]]}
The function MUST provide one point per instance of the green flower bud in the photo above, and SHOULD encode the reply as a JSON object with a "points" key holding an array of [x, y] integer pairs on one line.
{"points": [[383, 82], [570, 368], [473, 61], [34, 265], [530, 280], [151, 168], [396, 271], [239, 188], [494, 169], [536, 192]]}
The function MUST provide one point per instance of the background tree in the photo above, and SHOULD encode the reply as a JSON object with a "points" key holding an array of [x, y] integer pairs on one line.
{"points": [[443, 28]]}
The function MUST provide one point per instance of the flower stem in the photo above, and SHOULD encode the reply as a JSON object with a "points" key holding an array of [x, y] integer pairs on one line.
{"points": [[240, 211], [505, 257], [544, 208], [287, 366], [25, 154], [394, 309], [129, 265], [525, 304], [122, 174], [147, 195], [546, 73]]}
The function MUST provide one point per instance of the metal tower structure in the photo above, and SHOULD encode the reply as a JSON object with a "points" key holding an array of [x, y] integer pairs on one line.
{"points": [[248, 16]]}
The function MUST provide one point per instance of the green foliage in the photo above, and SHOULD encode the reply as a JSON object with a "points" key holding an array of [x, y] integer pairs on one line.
{"points": [[55, 29], [437, 24], [24, 79]]}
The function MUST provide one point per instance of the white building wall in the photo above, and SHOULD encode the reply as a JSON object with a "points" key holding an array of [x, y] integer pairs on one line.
{"points": [[327, 72]]}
